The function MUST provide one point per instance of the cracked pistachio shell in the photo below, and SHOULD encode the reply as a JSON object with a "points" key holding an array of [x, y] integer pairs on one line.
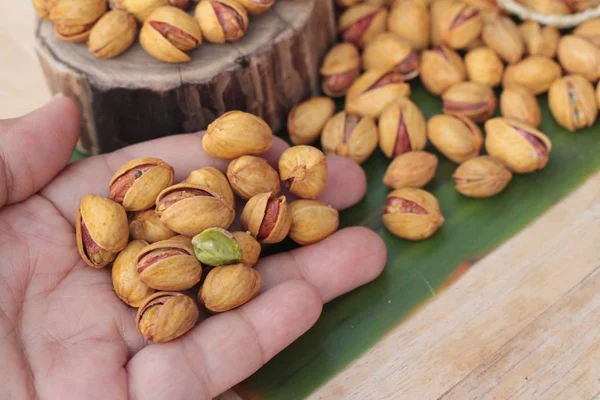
{"points": [[266, 218], [410, 20], [579, 56], [312, 221], [412, 214], [589, 30], [125, 278], [168, 33], [189, 209], [221, 20], [165, 316], [455, 136], [441, 68], [471, 99], [413, 169], [340, 69], [389, 51], [539, 40], [534, 72], [306, 120], [235, 134], [138, 182], [304, 171], [216, 246], [228, 287], [169, 264], [484, 66], [402, 128], [213, 179], [256, 7], [350, 136], [361, 23], [250, 175], [101, 229], [141, 9], [502, 35], [519, 103], [549, 7], [74, 19], [43, 7], [459, 24], [572, 101], [481, 177], [114, 33], [520, 147], [374, 90], [146, 226]]}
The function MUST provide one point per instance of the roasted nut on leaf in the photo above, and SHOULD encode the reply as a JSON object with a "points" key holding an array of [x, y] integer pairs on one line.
{"points": [[250, 175], [579, 56], [73, 19], [471, 99], [114, 33], [146, 226], [125, 278], [374, 90], [213, 179], [304, 171], [361, 23], [539, 40], [350, 136], [389, 51], [502, 35], [165, 316], [455, 136], [412, 214], [312, 221], [484, 66], [228, 287], [482, 176], [410, 20], [340, 69], [441, 68], [413, 169], [221, 20], [266, 218], [518, 102], [573, 102], [534, 72], [307, 119], [402, 128]]}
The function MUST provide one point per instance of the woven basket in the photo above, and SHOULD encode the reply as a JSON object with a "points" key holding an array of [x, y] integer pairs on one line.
{"points": [[560, 21]]}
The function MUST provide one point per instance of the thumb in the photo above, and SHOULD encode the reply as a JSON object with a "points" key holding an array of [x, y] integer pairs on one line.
{"points": [[35, 148]]}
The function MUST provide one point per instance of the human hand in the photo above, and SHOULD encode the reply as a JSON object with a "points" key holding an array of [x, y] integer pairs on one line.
{"points": [[65, 334]]}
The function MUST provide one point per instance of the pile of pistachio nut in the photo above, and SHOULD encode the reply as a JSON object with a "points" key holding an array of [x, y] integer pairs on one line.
{"points": [[110, 26], [160, 236], [461, 50]]}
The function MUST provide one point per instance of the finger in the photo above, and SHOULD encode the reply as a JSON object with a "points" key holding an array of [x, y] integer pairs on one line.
{"points": [[35, 148], [346, 183]]}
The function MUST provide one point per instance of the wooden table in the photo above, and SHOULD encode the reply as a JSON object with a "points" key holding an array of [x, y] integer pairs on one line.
{"points": [[524, 322]]}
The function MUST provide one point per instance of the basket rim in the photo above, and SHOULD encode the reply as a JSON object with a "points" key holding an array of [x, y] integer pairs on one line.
{"points": [[559, 21]]}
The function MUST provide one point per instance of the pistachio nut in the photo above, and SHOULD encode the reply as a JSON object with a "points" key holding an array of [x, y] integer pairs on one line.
{"points": [[307, 119], [471, 99], [101, 230], [521, 147], [519, 103], [213, 179], [549, 7], [168, 33], [481, 177], [221, 20], [216, 246], [459, 24], [436, 11], [440, 68], [534, 72], [189, 209], [266, 218], [572, 101], [182, 4], [455, 136], [540, 40], [502, 35], [114, 33], [256, 7], [577, 55], [125, 278], [228, 287], [361, 23], [402, 128], [486, 7], [312, 221], [389, 51], [165, 316], [304, 171], [250, 175], [169, 264], [223, 138], [589, 30], [73, 19], [412, 214], [340, 69], [350, 136], [43, 7], [413, 169], [484, 66], [410, 20], [141, 9], [138, 182], [146, 226], [374, 90]]}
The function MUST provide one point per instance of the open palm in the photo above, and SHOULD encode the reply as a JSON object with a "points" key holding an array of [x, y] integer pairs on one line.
{"points": [[63, 332]]}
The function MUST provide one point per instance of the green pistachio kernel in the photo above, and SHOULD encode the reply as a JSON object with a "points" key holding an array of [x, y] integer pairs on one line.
{"points": [[216, 246]]}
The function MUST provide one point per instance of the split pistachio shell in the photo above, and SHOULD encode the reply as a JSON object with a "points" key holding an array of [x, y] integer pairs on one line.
{"points": [[519, 103], [455, 136], [73, 19], [141, 9], [221, 20], [361, 23], [573, 102], [256, 7], [125, 278], [410, 20], [138, 182], [250, 175], [389, 51], [213, 179], [236, 134], [304, 169], [114, 33], [484, 66], [307, 119], [481, 177], [350, 136], [539, 40], [502, 35], [166, 316], [459, 24], [402, 128], [216, 246], [471, 99], [413, 169], [312, 221], [229, 287], [146, 226], [250, 248], [374, 90], [521, 147], [548, 7], [579, 56], [589, 30], [340, 69], [534, 72], [266, 218], [412, 214], [101, 229], [441, 68]]}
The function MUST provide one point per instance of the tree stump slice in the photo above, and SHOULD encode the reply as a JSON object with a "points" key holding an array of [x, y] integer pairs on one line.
{"points": [[133, 97]]}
